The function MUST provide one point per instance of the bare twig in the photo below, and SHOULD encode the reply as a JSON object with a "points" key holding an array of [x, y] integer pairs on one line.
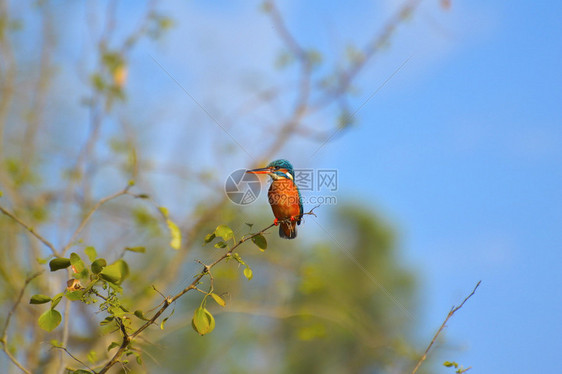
{"points": [[75, 358], [4, 338], [30, 229], [453, 310], [128, 338], [85, 220]]}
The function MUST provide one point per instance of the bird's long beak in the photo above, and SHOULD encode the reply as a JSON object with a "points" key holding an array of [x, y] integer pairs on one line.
{"points": [[259, 171]]}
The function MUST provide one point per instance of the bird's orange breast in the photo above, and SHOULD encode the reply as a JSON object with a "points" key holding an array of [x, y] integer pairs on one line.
{"points": [[284, 199]]}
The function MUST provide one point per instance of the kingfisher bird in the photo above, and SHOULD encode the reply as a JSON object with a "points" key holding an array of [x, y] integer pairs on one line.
{"points": [[284, 197]]}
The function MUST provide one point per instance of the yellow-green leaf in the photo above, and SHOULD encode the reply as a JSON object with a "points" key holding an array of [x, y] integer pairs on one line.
{"points": [[203, 322], [111, 273], [164, 211], [91, 253], [248, 273], [136, 249], [74, 295], [56, 300], [76, 263], [112, 345], [220, 244], [92, 356], [49, 320], [209, 237], [260, 241], [165, 320], [224, 232], [140, 314], [39, 299], [55, 343], [219, 300], [175, 233]]}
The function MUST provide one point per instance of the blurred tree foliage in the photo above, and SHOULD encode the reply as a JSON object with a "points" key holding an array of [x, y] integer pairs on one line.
{"points": [[309, 308], [85, 238]]}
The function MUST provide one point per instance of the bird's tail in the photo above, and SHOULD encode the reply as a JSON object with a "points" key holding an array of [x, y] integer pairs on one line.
{"points": [[288, 230]]}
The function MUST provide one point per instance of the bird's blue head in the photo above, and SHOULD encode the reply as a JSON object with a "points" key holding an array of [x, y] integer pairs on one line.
{"points": [[278, 169]]}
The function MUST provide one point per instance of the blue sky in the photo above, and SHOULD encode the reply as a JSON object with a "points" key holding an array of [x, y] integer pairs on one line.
{"points": [[461, 149], [466, 158]]}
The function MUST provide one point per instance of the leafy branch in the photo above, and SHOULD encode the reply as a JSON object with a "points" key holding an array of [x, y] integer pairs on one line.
{"points": [[453, 310], [226, 234]]}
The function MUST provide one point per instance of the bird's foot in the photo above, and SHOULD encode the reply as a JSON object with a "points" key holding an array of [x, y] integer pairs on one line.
{"points": [[293, 218], [276, 222]]}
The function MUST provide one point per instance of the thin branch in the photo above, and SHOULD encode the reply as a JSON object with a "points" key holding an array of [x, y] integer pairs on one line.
{"points": [[301, 105], [283, 31], [65, 334], [128, 338], [75, 358], [30, 229], [106, 199], [4, 339], [453, 310]]}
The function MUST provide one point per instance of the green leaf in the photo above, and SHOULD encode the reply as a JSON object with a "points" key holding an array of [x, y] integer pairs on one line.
{"points": [[42, 261], [74, 295], [260, 241], [111, 273], [248, 273], [107, 320], [59, 263], [224, 232], [77, 263], [116, 272], [139, 314], [237, 257], [164, 211], [91, 253], [80, 371], [49, 320], [92, 356], [209, 237], [39, 299], [55, 343], [97, 82], [136, 249], [175, 233], [220, 244], [98, 265], [450, 364], [112, 345], [166, 319], [203, 322], [56, 300], [219, 300], [124, 269]]}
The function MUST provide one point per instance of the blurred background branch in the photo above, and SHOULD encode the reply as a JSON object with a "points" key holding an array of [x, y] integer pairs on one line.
{"points": [[80, 117]]}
